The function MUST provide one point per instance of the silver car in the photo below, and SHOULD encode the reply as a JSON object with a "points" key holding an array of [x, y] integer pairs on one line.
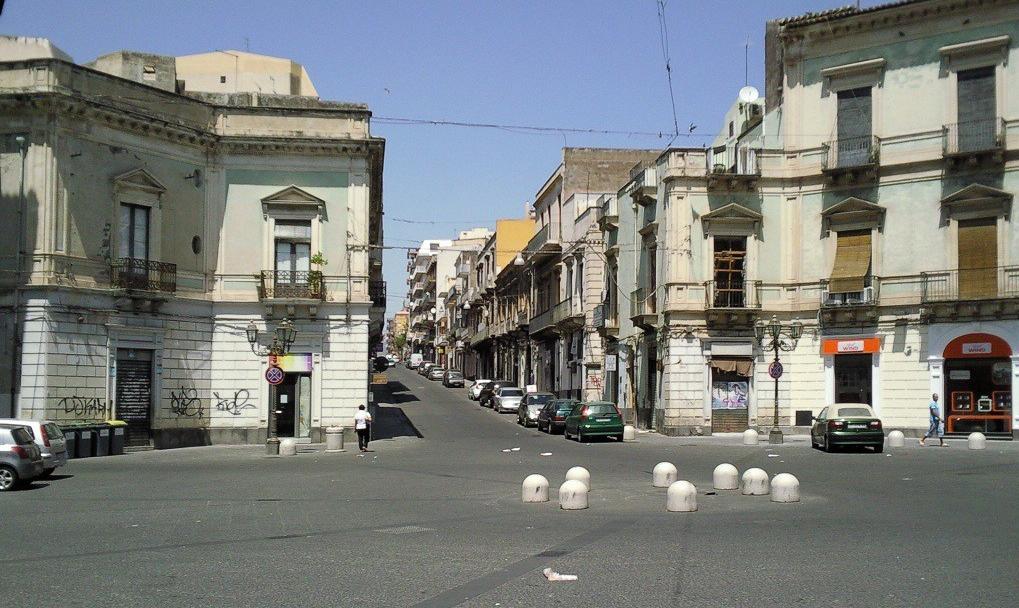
{"points": [[20, 458], [50, 439], [507, 399]]}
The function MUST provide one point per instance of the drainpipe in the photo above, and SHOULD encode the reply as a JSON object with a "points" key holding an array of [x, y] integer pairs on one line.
{"points": [[19, 269]]}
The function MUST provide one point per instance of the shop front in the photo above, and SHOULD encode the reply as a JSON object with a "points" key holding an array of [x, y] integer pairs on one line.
{"points": [[978, 372], [851, 369], [292, 397], [730, 374]]}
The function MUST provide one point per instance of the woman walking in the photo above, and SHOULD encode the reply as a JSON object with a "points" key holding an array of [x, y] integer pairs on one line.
{"points": [[362, 422]]}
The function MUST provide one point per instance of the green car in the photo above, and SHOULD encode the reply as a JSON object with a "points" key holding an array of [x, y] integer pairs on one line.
{"points": [[845, 424], [594, 419]]}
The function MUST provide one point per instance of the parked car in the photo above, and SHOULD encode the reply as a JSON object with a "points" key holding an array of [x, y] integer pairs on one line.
{"points": [[453, 378], [49, 438], [424, 367], [552, 417], [414, 361], [527, 413], [847, 424], [486, 394], [507, 399], [475, 390], [20, 459], [594, 419], [436, 373]]}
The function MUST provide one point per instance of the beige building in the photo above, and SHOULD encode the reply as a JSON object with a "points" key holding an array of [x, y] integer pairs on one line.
{"points": [[156, 222]]}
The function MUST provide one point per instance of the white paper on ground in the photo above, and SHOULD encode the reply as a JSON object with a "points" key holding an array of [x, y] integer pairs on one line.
{"points": [[555, 576]]}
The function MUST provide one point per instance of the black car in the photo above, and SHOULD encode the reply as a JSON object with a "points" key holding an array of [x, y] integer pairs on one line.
{"points": [[485, 397], [552, 417]]}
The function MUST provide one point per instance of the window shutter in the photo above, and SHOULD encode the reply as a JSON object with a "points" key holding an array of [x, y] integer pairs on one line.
{"points": [[978, 258], [852, 262]]}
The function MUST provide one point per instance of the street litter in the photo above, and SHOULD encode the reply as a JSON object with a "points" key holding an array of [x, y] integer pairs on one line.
{"points": [[772, 455], [546, 453], [555, 576], [709, 493], [515, 449], [507, 450]]}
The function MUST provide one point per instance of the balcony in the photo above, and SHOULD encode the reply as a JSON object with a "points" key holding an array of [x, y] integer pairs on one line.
{"points": [[377, 293], [291, 285], [568, 315], [605, 320], [731, 303], [135, 274], [645, 184], [522, 319], [973, 141], [986, 293], [733, 168], [545, 241], [480, 336], [608, 217], [852, 307], [643, 308], [851, 159], [541, 322]]}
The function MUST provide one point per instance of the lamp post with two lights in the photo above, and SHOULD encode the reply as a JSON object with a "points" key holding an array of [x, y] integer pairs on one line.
{"points": [[283, 338], [776, 337]]}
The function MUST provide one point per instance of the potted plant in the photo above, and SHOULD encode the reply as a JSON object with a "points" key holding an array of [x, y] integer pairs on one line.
{"points": [[315, 274]]}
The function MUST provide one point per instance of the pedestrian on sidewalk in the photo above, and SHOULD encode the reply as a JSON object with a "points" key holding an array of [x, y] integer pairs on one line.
{"points": [[362, 426], [937, 426]]}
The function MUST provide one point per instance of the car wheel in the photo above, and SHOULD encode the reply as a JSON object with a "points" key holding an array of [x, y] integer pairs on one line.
{"points": [[580, 437], [619, 438], [8, 478], [828, 447], [879, 448]]}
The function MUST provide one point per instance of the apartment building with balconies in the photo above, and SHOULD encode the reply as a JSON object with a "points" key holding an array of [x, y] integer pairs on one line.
{"points": [[156, 225]]}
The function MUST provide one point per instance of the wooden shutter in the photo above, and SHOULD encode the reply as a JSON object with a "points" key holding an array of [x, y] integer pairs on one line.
{"points": [[978, 258], [852, 262]]}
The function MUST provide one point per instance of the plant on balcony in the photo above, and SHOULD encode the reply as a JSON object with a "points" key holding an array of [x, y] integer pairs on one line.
{"points": [[315, 275]]}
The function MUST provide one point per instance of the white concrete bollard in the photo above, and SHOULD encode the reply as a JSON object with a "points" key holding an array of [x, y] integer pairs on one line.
{"points": [[334, 439], [896, 439], [580, 474], [534, 489], [629, 433], [664, 475], [288, 447], [755, 483], [750, 437], [682, 497], [725, 477], [573, 495], [785, 488], [977, 441]]}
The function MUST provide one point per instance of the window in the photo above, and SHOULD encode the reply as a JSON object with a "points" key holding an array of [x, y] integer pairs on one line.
{"points": [[222, 79], [730, 271], [977, 110], [652, 278], [851, 273], [134, 231], [978, 258], [293, 251], [854, 128]]}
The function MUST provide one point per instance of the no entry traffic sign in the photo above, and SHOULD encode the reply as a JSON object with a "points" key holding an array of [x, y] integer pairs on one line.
{"points": [[274, 375], [775, 370]]}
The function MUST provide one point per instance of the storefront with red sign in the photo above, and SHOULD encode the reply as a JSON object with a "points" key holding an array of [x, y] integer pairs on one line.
{"points": [[852, 369], [978, 384]]}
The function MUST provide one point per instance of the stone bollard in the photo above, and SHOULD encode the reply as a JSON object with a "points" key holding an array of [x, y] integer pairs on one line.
{"points": [[725, 477], [682, 497], [334, 439], [629, 433], [755, 483], [785, 488], [977, 441], [573, 495], [580, 474], [664, 475], [534, 489], [288, 447], [896, 439], [750, 437]]}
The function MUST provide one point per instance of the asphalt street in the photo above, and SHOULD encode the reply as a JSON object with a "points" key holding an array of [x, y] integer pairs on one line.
{"points": [[432, 517]]}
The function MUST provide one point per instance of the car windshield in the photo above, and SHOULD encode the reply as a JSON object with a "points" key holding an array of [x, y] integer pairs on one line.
{"points": [[456, 375], [854, 411], [511, 392], [565, 405], [600, 409], [538, 399]]}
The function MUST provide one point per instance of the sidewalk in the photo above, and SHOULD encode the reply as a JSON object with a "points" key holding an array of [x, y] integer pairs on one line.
{"points": [[714, 439]]}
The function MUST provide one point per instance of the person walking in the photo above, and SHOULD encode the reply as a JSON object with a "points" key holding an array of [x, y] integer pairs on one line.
{"points": [[936, 427], [362, 425]]}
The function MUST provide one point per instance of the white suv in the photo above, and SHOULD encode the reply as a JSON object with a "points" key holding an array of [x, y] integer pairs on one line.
{"points": [[50, 439]]}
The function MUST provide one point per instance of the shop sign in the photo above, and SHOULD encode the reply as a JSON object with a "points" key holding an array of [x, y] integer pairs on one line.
{"points": [[958, 374], [853, 346], [298, 363], [976, 348], [610, 363]]}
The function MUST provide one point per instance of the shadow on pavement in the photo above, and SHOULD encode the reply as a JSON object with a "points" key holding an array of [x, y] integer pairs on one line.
{"points": [[388, 420], [396, 392]]}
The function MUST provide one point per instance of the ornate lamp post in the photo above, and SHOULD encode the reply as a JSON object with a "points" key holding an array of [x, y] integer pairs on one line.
{"points": [[282, 339], [775, 337]]}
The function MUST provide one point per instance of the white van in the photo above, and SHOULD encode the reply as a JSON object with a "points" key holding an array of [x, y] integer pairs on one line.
{"points": [[415, 360]]}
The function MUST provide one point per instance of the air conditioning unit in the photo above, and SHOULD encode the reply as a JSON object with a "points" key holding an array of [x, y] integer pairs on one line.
{"points": [[868, 295]]}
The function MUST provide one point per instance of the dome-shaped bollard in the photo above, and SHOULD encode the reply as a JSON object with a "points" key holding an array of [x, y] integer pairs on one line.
{"points": [[579, 474], [682, 497], [288, 447], [573, 495], [750, 437], [725, 477], [629, 433], [755, 483], [664, 475], [977, 441], [534, 489], [785, 488], [896, 439]]}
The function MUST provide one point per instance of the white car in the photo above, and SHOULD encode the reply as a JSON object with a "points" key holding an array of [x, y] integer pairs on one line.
{"points": [[50, 439], [507, 399], [475, 390]]}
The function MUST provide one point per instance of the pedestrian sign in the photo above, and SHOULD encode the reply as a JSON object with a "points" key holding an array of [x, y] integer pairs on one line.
{"points": [[274, 375]]}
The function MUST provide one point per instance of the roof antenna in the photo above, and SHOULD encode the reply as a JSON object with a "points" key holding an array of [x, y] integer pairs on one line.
{"points": [[746, 62], [247, 45]]}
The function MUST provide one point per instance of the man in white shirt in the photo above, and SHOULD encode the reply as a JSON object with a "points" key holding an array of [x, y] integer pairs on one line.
{"points": [[362, 420]]}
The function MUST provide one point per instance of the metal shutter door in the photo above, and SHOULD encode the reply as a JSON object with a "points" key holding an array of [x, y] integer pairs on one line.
{"points": [[134, 399]]}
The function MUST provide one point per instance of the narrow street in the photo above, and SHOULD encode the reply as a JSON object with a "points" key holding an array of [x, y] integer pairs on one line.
{"points": [[437, 521]]}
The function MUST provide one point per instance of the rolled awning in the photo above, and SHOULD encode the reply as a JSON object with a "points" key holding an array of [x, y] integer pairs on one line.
{"points": [[740, 366], [852, 262]]}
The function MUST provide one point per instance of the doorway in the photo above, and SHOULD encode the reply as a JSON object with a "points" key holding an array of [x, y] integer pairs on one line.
{"points": [[292, 400], [134, 395], [853, 379]]}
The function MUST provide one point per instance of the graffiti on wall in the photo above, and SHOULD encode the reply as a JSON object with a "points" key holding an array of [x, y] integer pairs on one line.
{"points": [[185, 402], [241, 400], [84, 407]]}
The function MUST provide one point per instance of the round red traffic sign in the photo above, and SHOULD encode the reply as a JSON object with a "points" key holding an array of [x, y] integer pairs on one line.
{"points": [[274, 375], [775, 370]]}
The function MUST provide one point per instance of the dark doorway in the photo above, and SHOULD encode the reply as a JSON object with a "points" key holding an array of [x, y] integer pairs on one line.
{"points": [[292, 399], [134, 395], [853, 379]]}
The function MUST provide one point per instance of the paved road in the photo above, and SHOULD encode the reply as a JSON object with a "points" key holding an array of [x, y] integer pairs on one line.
{"points": [[436, 521]]}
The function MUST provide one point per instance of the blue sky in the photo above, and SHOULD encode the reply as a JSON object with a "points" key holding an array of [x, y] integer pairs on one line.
{"points": [[591, 65]]}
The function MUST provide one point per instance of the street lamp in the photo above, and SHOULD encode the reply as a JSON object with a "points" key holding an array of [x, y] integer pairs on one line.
{"points": [[775, 337], [283, 338]]}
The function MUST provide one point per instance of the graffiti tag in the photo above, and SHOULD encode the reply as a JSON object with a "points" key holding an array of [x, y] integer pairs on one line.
{"points": [[84, 407], [185, 402], [240, 401]]}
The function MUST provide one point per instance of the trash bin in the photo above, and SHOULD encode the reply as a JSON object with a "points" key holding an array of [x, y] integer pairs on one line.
{"points": [[117, 428], [70, 440], [82, 442], [100, 439]]}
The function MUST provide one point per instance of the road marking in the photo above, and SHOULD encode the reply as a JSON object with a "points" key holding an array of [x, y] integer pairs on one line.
{"points": [[404, 530]]}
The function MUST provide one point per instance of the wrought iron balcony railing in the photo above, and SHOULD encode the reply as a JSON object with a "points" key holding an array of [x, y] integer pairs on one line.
{"points": [[867, 297], [970, 284], [851, 152], [292, 284], [377, 293], [974, 136], [734, 293], [144, 275]]}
